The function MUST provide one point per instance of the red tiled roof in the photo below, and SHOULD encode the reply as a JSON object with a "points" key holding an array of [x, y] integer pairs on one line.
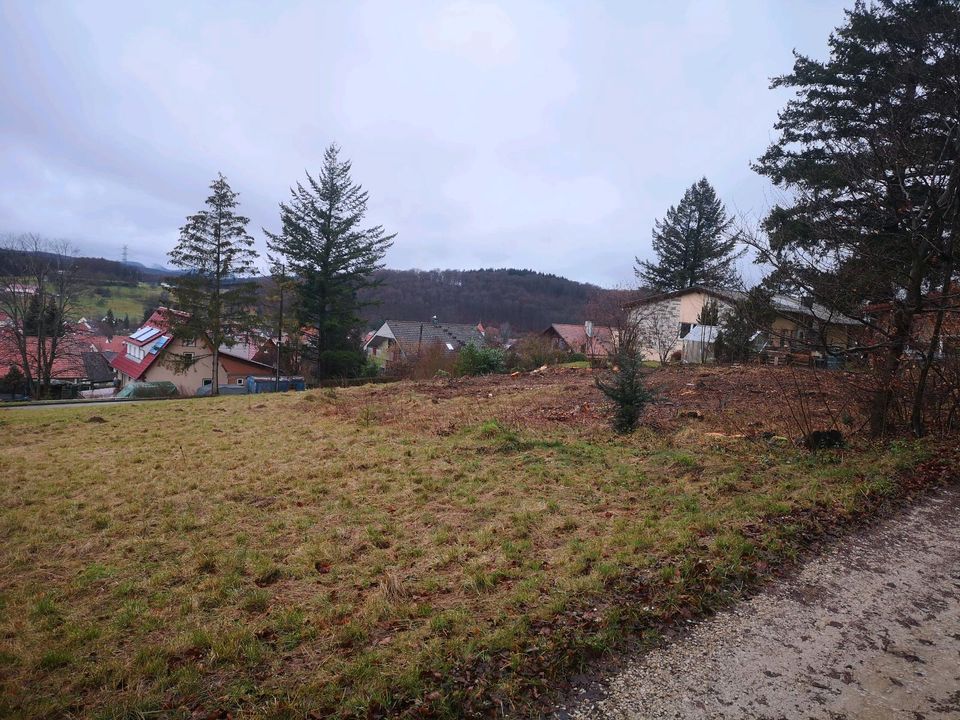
{"points": [[160, 321], [114, 344], [240, 366], [131, 367], [68, 364], [575, 336]]}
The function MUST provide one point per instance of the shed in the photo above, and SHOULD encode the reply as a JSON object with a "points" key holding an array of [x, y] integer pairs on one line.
{"points": [[699, 345]]}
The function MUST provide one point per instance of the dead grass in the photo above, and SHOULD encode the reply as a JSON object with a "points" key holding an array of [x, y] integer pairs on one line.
{"points": [[435, 548]]}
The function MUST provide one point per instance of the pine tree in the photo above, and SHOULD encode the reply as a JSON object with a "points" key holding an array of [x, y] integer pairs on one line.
{"points": [[215, 300], [693, 243], [867, 154], [325, 246]]}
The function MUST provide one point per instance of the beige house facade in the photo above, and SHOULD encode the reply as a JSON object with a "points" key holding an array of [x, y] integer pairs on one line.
{"points": [[664, 321], [148, 354]]}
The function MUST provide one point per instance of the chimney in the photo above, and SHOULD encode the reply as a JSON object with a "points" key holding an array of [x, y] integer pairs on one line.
{"points": [[435, 321], [588, 328]]}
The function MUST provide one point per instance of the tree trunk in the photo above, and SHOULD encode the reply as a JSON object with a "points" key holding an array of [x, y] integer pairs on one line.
{"points": [[215, 390], [889, 370], [916, 415]]}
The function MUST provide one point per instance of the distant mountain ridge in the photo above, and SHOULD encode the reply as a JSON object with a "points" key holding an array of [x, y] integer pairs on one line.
{"points": [[526, 299]]}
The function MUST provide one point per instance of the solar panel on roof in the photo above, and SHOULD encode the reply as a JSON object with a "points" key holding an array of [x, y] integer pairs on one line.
{"points": [[138, 333], [149, 334]]}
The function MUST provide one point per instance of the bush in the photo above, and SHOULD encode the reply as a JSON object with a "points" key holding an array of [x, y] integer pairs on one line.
{"points": [[342, 363], [534, 351], [14, 382], [434, 360], [474, 360]]}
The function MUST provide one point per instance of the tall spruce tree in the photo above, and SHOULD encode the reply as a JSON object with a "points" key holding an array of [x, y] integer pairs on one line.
{"points": [[693, 243], [213, 293], [325, 246], [868, 151]]}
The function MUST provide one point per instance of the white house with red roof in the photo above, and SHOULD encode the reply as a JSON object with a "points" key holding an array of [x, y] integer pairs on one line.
{"points": [[141, 359]]}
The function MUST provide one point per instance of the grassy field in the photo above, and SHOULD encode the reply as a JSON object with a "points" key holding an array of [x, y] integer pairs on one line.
{"points": [[123, 300], [433, 549]]}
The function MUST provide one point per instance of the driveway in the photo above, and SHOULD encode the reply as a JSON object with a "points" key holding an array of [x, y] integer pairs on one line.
{"points": [[869, 630]]}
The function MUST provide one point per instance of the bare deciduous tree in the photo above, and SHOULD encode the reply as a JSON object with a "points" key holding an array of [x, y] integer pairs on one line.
{"points": [[38, 293]]}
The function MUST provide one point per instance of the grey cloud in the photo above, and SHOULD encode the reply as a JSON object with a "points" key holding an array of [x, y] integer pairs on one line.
{"points": [[546, 135]]}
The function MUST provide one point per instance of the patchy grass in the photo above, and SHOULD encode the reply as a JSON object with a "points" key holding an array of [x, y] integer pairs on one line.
{"points": [[124, 301], [432, 548]]}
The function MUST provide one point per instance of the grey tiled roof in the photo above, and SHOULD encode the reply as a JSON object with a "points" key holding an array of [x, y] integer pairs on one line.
{"points": [[412, 335], [97, 368]]}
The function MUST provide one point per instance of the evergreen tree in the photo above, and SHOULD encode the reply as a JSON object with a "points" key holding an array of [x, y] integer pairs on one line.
{"points": [[109, 323], [324, 245], [740, 323], [215, 300], [693, 243], [867, 152], [709, 313], [623, 382]]}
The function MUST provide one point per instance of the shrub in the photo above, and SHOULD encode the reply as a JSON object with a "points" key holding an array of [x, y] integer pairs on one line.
{"points": [[534, 351], [475, 360], [13, 382], [342, 363], [434, 360]]}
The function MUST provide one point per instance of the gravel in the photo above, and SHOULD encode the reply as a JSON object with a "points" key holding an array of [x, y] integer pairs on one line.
{"points": [[870, 629]]}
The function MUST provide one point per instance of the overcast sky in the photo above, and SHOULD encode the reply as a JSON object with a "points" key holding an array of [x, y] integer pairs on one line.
{"points": [[489, 134]]}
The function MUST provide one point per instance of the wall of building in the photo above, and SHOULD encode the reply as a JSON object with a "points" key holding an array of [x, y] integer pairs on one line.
{"points": [[658, 324], [785, 329], [190, 380]]}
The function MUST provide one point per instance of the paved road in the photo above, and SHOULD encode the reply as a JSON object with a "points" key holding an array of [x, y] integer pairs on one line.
{"points": [[870, 630]]}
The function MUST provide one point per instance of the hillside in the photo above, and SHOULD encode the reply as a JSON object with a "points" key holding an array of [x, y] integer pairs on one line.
{"points": [[525, 299]]}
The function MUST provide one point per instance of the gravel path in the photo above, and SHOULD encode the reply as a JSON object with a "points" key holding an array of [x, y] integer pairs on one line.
{"points": [[869, 630]]}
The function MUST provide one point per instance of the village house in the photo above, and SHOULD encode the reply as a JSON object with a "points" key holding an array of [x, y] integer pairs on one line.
{"points": [[594, 341], [78, 368], [880, 316], [800, 325], [143, 351], [399, 340]]}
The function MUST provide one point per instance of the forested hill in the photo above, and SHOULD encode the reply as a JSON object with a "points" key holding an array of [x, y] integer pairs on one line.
{"points": [[525, 299]]}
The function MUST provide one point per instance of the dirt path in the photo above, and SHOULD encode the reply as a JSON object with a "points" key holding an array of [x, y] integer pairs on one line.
{"points": [[870, 630]]}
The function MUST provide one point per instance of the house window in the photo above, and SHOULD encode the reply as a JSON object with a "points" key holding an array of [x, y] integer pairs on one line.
{"points": [[188, 358], [685, 328], [190, 343], [239, 381]]}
